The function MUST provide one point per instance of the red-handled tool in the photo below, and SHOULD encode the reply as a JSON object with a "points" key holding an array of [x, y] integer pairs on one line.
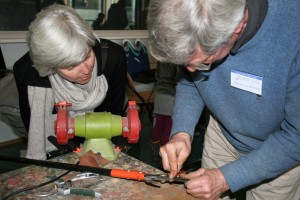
{"points": [[117, 173], [128, 174]]}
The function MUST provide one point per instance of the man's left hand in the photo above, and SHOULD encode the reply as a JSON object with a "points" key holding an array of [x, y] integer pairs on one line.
{"points": [[206, 184]]}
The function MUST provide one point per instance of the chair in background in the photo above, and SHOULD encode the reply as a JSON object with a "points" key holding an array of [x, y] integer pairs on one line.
{"points": [[140, 78], [143, 94]]}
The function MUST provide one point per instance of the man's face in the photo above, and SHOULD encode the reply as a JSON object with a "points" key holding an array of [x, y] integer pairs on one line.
{"points": [[81, 73], [202, 61]]}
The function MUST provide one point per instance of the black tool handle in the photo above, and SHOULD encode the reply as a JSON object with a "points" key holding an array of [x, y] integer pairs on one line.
{"points": [[57, 165]]}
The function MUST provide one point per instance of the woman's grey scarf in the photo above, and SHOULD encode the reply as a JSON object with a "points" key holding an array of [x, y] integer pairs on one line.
{"points": [[84, 98]]}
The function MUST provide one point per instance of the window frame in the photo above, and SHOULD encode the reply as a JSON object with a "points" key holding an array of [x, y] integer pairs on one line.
{"points": [[20, 36]]}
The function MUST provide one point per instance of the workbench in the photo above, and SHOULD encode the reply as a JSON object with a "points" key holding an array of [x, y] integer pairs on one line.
{"points": [[110, 188]]}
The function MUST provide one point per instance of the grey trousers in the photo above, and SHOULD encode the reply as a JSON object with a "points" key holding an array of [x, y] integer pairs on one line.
{"points": [[218, 152]]}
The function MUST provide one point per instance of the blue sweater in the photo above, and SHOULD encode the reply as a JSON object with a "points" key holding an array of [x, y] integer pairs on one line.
{"points": [[265, 128]]}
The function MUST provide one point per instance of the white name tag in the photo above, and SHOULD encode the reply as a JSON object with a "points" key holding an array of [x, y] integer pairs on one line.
{"points": [[245, 81]]}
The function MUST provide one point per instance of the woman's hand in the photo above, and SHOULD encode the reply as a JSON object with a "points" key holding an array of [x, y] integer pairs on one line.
{"points": [[175, 153], [205, 184]]}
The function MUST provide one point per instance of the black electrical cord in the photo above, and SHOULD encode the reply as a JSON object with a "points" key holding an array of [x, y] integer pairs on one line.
{"points": [[57, 165], [36, 186]]}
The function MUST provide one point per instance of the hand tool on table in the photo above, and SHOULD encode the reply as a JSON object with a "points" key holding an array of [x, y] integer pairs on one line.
{"points": [[116, 173], [97, 127], [65, 187]]}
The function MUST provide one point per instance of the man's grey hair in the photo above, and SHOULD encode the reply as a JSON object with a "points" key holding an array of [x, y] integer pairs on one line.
{"points": [[178, 27], [58, 37]]}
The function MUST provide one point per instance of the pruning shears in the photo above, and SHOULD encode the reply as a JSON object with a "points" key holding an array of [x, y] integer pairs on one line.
{"points": [[65, 187], [142, 176], [117, 173]]}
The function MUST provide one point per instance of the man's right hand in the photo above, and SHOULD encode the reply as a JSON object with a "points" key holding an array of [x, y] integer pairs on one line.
{"points": [[175, 153]]}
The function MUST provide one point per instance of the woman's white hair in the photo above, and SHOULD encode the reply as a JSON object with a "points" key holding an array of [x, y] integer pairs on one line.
{"points": [[178, 27], [59, 37]]}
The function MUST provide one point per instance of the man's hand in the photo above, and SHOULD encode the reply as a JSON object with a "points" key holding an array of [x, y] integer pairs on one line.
{"points": [[175, 153], [206, 184]]}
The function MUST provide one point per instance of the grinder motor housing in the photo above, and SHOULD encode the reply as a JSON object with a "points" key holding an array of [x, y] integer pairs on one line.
{"points": [[96, 124]]}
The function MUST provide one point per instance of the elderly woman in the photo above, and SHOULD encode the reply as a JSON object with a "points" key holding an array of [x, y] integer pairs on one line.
{"points": [[64, 62]]}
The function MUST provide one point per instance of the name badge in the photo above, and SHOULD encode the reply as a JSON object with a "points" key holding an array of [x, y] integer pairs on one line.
{"points": [[245, 81]]}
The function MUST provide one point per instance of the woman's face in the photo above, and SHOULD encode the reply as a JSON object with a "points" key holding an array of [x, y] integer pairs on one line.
{"points": [[81, 73]]}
